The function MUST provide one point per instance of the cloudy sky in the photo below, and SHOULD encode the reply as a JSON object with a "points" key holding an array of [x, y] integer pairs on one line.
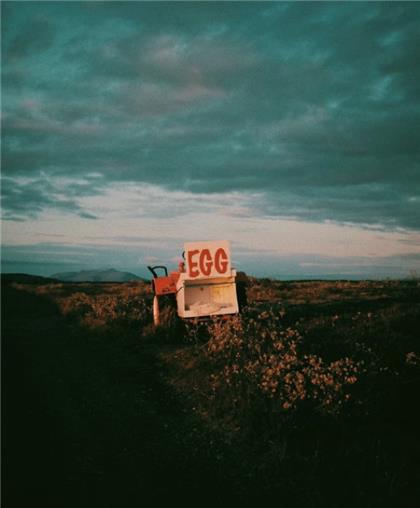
{"points": [[290, 129]]}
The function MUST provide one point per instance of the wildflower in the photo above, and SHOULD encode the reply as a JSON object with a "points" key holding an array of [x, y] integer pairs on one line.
{"points": [[412, 359]]}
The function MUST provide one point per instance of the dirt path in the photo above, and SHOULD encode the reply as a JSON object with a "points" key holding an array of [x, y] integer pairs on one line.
{"points": [[88, 422]]}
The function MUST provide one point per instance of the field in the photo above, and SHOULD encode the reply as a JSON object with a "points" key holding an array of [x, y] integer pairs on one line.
{"points": [[309, 398]]}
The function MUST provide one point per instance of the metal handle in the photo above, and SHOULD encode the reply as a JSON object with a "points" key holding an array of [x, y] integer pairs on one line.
{"points": [[153, 268]]}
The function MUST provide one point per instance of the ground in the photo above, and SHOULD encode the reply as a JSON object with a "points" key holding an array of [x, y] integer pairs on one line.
{"points": [[100, 409]]}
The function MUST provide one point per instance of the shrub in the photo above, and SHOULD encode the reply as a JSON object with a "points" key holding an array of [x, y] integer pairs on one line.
{"points": [[106, 309], [254, 358]]}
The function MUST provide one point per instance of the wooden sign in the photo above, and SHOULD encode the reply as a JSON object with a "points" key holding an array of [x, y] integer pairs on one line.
{"points": [[207, 259]]}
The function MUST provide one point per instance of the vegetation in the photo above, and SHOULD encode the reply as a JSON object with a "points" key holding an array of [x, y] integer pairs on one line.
{"points": [[314, 384], [309, 395]]}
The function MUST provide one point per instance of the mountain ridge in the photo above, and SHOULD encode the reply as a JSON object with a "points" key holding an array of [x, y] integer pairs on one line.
{"points": [[96, 275]]}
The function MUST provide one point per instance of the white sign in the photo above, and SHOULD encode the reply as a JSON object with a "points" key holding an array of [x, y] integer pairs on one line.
{"points": [[207, 259]]}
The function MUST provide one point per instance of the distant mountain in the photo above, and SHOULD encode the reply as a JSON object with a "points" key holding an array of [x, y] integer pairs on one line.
{"points": [[109, 275]]}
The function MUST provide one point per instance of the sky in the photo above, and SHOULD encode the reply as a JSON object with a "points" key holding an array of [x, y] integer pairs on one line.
{"points": [[289, 129]]}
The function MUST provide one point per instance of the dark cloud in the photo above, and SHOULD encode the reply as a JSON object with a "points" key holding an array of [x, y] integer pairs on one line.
{"points": [[314, 106], [35, 36], [26, 199]]}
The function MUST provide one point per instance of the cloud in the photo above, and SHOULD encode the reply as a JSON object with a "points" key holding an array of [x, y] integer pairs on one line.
{"points": [[24, 198], [314, 108], [34, 36]]}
